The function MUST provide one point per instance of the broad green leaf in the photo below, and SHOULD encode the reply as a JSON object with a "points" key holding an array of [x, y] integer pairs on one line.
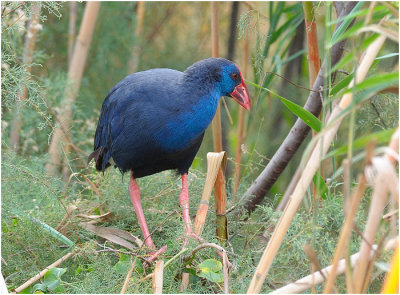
{"points": [[380, 137], [320, 184], [53, 277], [211, 270], [308, 118], [28, 290], [51, 281], [124, 264], [341, 85], [381, 81]]}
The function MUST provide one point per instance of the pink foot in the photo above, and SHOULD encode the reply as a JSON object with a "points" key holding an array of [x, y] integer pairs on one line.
{"points": [[153, 256]]}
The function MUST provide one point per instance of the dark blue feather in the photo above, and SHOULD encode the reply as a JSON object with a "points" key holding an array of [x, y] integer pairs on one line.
{"points": [[155, 120]]}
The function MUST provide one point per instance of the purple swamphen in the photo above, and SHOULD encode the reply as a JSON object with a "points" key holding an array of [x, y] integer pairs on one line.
{"points": [[155, 120]]}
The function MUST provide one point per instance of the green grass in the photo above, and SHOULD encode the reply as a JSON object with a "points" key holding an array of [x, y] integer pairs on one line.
{"points": [[27, 247]]}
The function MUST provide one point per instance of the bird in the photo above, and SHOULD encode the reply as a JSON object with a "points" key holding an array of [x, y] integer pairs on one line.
{"points": [[155, 120]]}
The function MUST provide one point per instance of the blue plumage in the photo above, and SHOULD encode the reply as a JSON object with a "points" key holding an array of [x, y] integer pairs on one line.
{"points": [[155, 120]]}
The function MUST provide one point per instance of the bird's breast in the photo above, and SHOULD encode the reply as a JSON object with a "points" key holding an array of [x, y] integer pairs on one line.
{"points": [[186, 126]]}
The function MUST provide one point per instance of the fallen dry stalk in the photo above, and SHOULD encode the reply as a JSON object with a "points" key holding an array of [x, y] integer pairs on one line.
{"points": [[42, 273], [316, 277], [115, 235], [324, 140]]}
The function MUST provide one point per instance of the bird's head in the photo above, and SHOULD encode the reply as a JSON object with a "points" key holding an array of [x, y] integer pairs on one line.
{"points": [[222, 75], [232, 85]]}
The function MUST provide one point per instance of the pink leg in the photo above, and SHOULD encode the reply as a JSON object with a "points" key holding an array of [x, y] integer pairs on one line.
{"points": [[184, 201], [134, 191]]}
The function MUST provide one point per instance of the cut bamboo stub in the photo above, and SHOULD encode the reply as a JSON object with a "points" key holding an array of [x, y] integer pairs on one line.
{"points": [[214, 162], [158, 277], [316, 278], [321, 147]]}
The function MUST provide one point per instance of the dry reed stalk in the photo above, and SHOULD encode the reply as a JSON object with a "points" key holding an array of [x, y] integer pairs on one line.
{"points": [[71, 209], [317, 278], [158, 277], [27, 59], [348, 225], [136, 50], [42, 273], [214, 162], [346, 230], [383, 176], [241, 123], [75, 73], [324, 140]]}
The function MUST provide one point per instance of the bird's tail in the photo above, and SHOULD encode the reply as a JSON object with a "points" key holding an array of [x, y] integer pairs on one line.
{"points": [[98, 156]]}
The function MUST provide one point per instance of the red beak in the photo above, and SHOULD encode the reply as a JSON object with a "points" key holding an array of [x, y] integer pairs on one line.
{"points": [[241, 95]]}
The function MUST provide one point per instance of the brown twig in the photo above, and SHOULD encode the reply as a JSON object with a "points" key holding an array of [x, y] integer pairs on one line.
{"points": [[128, 275], [43, 272]]}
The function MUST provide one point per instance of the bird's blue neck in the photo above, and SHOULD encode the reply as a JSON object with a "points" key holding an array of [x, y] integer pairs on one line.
{"points": [[187, 126]]}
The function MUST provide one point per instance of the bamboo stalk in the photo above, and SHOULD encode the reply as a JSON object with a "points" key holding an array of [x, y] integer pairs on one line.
{"points": [[71, 38], [30, 42], [324, 140], [72, 28], [75, 74], [317, 278], [137, 48], [314, 63], [158, 277], [42, 273], [241, 122], [219, 189]]}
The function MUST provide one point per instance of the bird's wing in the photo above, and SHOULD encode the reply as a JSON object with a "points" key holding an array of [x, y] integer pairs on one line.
{"points": [[131, 111]]}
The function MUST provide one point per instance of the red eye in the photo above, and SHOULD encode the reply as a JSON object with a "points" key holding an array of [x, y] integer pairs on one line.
{"points": [[234, 76]]}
